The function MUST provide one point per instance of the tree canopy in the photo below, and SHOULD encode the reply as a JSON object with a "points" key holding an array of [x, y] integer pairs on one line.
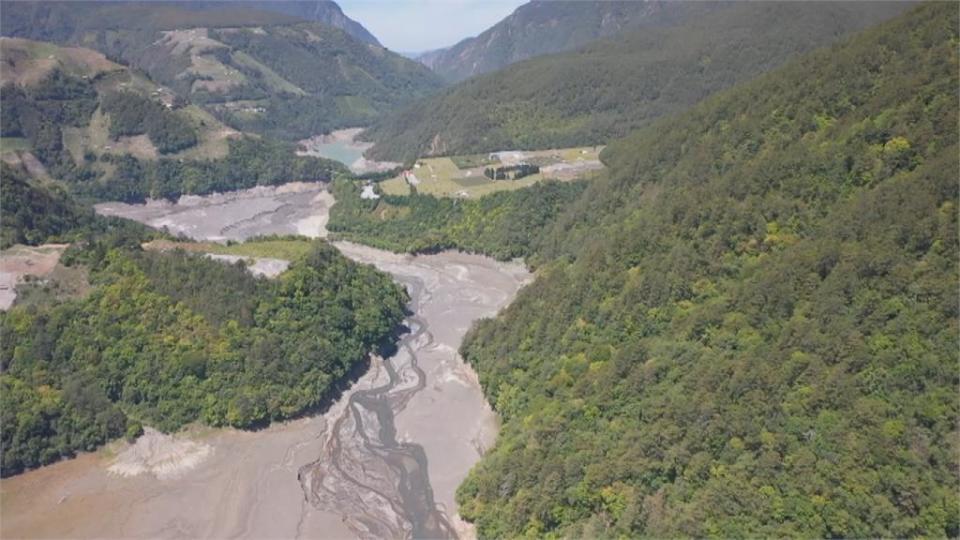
{"points": [[610, 87], [166, 339], [749, 326]]}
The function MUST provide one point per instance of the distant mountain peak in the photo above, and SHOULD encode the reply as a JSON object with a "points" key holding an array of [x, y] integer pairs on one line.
{"points": [[323, 11], [544, 27]]}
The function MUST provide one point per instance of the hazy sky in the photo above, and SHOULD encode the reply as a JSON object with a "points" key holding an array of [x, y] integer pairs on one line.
{"points": [[421, 25]]}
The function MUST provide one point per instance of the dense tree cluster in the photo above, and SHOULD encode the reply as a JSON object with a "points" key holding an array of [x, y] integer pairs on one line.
{"points": [[134, 114], [504, 225], [32, 214], [749, 326], [250, 162], [611, 87], [511, 172], [169, 339]]}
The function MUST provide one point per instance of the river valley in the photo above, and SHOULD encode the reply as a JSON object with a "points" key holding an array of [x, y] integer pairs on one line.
{"points": [[384, 460]]}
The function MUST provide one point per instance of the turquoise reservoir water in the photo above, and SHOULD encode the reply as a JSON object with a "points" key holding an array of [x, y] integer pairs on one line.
{"points": [[341, 151]]}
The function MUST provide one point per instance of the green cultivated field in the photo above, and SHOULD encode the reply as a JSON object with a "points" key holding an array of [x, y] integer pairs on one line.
{"points": [[462, 176], [287, 248]]}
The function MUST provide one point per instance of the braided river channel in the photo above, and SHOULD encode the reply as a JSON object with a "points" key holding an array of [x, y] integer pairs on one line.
{"points": [[382, 461]]}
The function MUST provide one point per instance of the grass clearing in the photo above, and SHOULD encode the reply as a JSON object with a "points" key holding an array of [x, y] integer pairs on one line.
{"points": [[472, 181], [62, 283], [13, 144], [395, 186], [289, 249], [462, 176], [270, 76]]}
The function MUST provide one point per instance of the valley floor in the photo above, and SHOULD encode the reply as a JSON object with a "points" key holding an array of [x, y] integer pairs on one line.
{"points": [[266, 483]]}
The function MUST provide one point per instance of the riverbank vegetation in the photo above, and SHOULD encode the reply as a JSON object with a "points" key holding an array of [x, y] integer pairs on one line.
{"points": [[169, 339], [504, 225], [250, 162]]}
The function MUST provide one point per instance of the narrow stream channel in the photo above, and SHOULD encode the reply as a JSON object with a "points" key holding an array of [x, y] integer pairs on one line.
{"points": [[379, 484]]}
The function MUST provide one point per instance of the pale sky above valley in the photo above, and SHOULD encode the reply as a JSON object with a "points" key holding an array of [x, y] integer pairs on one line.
{"points": [[422, 25]]}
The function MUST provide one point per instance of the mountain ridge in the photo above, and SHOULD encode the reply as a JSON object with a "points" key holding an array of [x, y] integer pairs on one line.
{"points": [[543, 27], [612, 86], [259, 71]]}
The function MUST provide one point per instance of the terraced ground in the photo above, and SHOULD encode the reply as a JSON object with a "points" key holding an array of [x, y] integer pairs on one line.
{"points": [[462, 176], [28, 62]]}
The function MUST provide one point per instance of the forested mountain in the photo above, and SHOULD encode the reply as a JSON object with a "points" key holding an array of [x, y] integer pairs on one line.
{"points": [[60, 21], [610, 87], [109, 133], [549, 26], [748, 328], [35, 214], [255, 70], [169, 339]]}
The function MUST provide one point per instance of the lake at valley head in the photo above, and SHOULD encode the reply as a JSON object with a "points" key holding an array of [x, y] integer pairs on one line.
{"points": [[342, 146]]}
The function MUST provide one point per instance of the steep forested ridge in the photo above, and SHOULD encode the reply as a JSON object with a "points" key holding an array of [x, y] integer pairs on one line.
{"points": [[324, 11], [60, 21], [169, 339], [332, 80], [610, 87], [32, 214], [544, 27], [750, 327]]}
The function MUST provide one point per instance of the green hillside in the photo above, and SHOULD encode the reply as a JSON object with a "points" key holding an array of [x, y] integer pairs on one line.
{"points": [[109, 133], [756, 334], [256, 70], [66, 21], [309, 79], [749, 327], [35, 214], [543, 27], [613, 86]]}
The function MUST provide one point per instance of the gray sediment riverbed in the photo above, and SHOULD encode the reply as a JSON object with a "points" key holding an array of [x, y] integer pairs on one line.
{"points": [[384, 461]]}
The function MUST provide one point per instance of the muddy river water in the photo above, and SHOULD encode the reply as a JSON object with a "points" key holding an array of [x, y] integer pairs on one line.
{"points": [[383, 461]]}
